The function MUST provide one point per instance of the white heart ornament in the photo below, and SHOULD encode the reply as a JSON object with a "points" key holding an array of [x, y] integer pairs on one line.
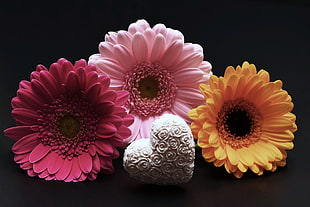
{"points": [[167, 157]]}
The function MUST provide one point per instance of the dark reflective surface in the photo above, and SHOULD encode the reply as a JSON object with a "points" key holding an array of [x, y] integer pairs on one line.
{"points": [[272, 35]]}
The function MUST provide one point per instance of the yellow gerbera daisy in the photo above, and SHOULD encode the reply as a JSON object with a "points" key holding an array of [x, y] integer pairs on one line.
{"points": [[246, 122]]}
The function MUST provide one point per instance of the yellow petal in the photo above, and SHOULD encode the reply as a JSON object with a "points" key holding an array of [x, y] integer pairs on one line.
{"points": [[214, 139], [232, 155], [264, 75], [220, 153], [208, 153], [277, 109], [245, 156], [229, 71], [283, 145], [259, 156], [242, 167], [238, 174]]}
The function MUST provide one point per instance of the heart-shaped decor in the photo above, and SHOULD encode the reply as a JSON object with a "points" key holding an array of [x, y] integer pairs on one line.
{"points": [[167, 157]]}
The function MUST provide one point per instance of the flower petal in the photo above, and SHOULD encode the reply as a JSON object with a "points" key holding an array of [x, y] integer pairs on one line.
{"points": [[64, 171], [123, 56], [26, 144], [39, 152], [85, 162], [187, 76], [54, 163], [18, 132], [105, 130], [139, 47]]}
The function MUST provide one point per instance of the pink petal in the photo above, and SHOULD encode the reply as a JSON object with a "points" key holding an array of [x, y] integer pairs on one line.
{"points": [[31, 173], [172, 53], [26, 166], [106, 165], [139, 47], [64, 171], [104, 148], [76, 170], [124, 38], [138, 26], [114, 70], [149, 36], [181, 109], [158, 48], [146, 127], [92, 150], [18, 132], [173, 35], [187, 76], [39, 152], [72, 83], [41, 165], [111, 37], [106, 49], [123, 56], [122, 97], [26, 144], [21, 158], [105, 130], [25, 116], [96, 164], [193, 60], [190, 95], [160, 29], [85, 162], [55, 162], [44, 174], [134, 128]]}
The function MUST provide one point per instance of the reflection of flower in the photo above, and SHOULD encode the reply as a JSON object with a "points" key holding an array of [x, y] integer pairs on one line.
{"points": [[246, 122], [68, 122], [160, 71]]}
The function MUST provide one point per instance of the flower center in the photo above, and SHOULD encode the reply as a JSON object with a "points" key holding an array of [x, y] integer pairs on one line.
{"points": [[69, 126], [239, 123], [148, 87], [151, 87]]}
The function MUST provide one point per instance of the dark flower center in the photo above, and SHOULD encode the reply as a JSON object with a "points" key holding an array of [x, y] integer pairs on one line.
{"points": [[239, 123], [69, 126], [148, 87]]}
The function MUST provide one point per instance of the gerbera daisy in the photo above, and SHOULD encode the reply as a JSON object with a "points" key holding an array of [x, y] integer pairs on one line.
{"points": [[246, 122], [160, 71], [68, 122]]}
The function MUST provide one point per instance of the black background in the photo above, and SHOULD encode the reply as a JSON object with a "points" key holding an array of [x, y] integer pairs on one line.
{"points": [[274, 35]]}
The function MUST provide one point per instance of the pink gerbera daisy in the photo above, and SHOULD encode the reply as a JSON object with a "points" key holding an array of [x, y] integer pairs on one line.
{"points": [[160, 71], [68, 122]]}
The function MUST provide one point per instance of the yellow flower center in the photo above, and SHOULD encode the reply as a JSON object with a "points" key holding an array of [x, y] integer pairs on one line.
{"points": [[239, 123], [69, 126], [148, 87]]}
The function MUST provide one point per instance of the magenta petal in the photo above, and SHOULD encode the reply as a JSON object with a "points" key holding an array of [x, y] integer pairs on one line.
{"points": [[40, 90], [25, 116], [24, 84], [26, 144], [92, 150], [108, 96], [105, 82], [104, 148], [29, 99], [18, 132], [76, 170], [21, 158], [92, 176], [96, 164], [54, 163], [39, 152], [122, 97], [105, 130], [85, 162], [92, 92], [105, 108], [107, 165], [26, 165], [128, 120], [43, 174], [49, 81], [91, 79], [115, 120], [64, 171], [80, 64], [72, 83], [31, 173], [41, 165]]}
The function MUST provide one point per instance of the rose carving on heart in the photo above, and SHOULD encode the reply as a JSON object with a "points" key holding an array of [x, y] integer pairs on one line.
{"points": [[166, 158]]}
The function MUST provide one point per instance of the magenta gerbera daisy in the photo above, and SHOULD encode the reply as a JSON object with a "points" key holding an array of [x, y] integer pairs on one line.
{"points": [[69, 122], [160, 71]]}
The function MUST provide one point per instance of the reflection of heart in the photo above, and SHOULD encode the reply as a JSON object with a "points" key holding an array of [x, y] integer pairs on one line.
{"points": [[167, 157]]}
